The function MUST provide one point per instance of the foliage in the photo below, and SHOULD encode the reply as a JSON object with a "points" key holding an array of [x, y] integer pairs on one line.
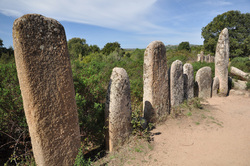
{"points": [[14, 136], [242, 63], [91, 78], [198, 65], [111, 47], [91, 70], [238, 26], [184, 46], [6, 54], [80, 160], [1, 43], [182, 55], [78, 48], [248, 85], [140, 126]]}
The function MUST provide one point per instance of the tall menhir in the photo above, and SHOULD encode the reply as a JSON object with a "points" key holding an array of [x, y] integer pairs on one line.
{"points": [[155, 82], [46, 83]]}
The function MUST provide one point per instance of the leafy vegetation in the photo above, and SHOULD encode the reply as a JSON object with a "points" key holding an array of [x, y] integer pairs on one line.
{"points": [[198, 65], [242, 63], [6, 54], [184, 46], [238, 26], [91, 68]]}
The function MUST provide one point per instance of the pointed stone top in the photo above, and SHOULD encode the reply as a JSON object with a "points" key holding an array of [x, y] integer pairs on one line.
{"points": [[224, 34]]}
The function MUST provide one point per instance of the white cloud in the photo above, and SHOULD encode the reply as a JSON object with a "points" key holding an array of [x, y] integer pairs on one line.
{"points": [[218, 2], [117, 14]]}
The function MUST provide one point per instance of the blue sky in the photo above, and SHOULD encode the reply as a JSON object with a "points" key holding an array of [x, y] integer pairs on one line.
{"points": [[132, 23]]}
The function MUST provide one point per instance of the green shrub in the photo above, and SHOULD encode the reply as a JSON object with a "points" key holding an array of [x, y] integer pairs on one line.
{"points": [[91, 79], [182, 58], [14, 136], [80, 160], [242, 63], [248, 85], [198, 65], [182, 55]]}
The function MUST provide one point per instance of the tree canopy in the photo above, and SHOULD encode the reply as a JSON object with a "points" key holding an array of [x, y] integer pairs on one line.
{"points": [[184, 46], [238, 26], [111, 47], [79, 48], [6, 54]]}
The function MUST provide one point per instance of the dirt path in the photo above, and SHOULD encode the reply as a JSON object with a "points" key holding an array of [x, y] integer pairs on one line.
{"points": [[218, 135]]}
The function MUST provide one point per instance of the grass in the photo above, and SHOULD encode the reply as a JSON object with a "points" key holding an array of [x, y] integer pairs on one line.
{"points": [[135, 151], [189, 114], [195, 110], [197, 123]]}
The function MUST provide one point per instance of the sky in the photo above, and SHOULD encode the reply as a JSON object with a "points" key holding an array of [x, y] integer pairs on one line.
{"points": [[132, 23]]}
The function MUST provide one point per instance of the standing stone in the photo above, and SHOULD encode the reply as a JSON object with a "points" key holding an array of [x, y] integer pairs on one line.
{"points": [[188, 74], [202, 56], [176, 83], [204, 80], [155, 87], [47, 88], [211, 59], [198, 57], [216, 86], [222, 60], [207, 57], [118, 110]]}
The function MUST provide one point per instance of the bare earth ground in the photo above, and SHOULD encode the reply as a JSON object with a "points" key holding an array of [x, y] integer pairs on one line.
{"points": [[218, 135], [222, 138]]}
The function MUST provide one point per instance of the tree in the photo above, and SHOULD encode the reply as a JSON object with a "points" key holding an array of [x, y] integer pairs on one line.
{"points": [[6, 54], [94, 48], [110, 47], [1, 43], [238, 26], [77, 47], [184, 46]]}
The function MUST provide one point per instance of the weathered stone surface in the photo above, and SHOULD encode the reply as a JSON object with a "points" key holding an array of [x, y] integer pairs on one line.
{"points": [[206, 58], [237, 72], [155, 82], [221, 61], [211, 59], [204, 80], [239, 85], [188, 74], [202, 56], [239, 92], [46, 83], [176, 83], [198, 57], [216, 86], [118, 110]]}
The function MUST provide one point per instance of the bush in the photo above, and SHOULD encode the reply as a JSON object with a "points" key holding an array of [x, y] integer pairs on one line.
{"points": [[248, 85], [80, 160], [182, 55], [198, 65], [184, 46], [14, 136], [91, 79], [242, 63]]}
